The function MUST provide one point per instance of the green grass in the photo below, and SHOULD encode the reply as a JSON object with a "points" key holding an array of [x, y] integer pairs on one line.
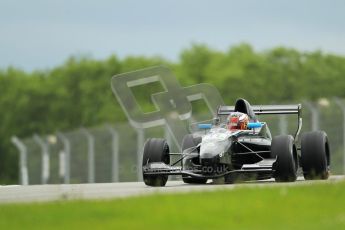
{"points": [[317, 206]]}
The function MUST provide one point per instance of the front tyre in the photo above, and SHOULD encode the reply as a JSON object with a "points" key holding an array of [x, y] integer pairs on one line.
{"points": [[188, 142], [286, 165], [315, 155], [155, 150]]}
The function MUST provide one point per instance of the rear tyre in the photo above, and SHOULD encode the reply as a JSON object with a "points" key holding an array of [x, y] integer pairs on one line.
{"points": [[315, 155], [286, 165], [188, 142], [155, 150]]}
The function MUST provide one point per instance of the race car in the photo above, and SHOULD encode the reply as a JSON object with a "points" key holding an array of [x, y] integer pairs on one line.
{"points": [[236, 146]]}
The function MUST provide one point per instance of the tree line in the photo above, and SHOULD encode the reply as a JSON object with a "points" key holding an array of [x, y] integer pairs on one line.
{"points": [[77, 93]]}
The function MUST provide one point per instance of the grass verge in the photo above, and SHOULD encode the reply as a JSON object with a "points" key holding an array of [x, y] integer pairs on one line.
{"points": [[316, 206]]}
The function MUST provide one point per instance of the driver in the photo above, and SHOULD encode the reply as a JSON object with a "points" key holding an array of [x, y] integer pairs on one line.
{"points": [[238, 121]]}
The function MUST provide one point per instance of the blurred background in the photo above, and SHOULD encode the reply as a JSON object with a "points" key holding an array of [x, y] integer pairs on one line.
{"points": [[60, 123]]}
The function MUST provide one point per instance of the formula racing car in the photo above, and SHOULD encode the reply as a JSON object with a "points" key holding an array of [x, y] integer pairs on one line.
{"points": [[236, 146]]}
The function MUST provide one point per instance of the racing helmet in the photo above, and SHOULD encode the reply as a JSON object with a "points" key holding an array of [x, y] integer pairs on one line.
{"points": [[238, 121]]}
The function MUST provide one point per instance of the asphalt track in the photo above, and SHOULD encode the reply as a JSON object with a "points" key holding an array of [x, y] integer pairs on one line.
{"points": [[43, 193]]}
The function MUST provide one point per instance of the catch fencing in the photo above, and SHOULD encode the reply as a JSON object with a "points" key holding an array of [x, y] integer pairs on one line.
{"points": [[113, 153]]}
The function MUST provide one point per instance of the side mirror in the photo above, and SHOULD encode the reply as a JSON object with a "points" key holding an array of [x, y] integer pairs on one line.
{"points": [[204, 126], [216, 120], [253, 125]]}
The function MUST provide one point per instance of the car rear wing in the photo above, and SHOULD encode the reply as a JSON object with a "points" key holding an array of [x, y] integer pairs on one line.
{"points": [[265, 109], [270, 110]]}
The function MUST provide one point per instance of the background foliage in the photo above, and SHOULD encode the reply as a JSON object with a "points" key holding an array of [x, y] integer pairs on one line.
{"points": [[78, 92]]}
